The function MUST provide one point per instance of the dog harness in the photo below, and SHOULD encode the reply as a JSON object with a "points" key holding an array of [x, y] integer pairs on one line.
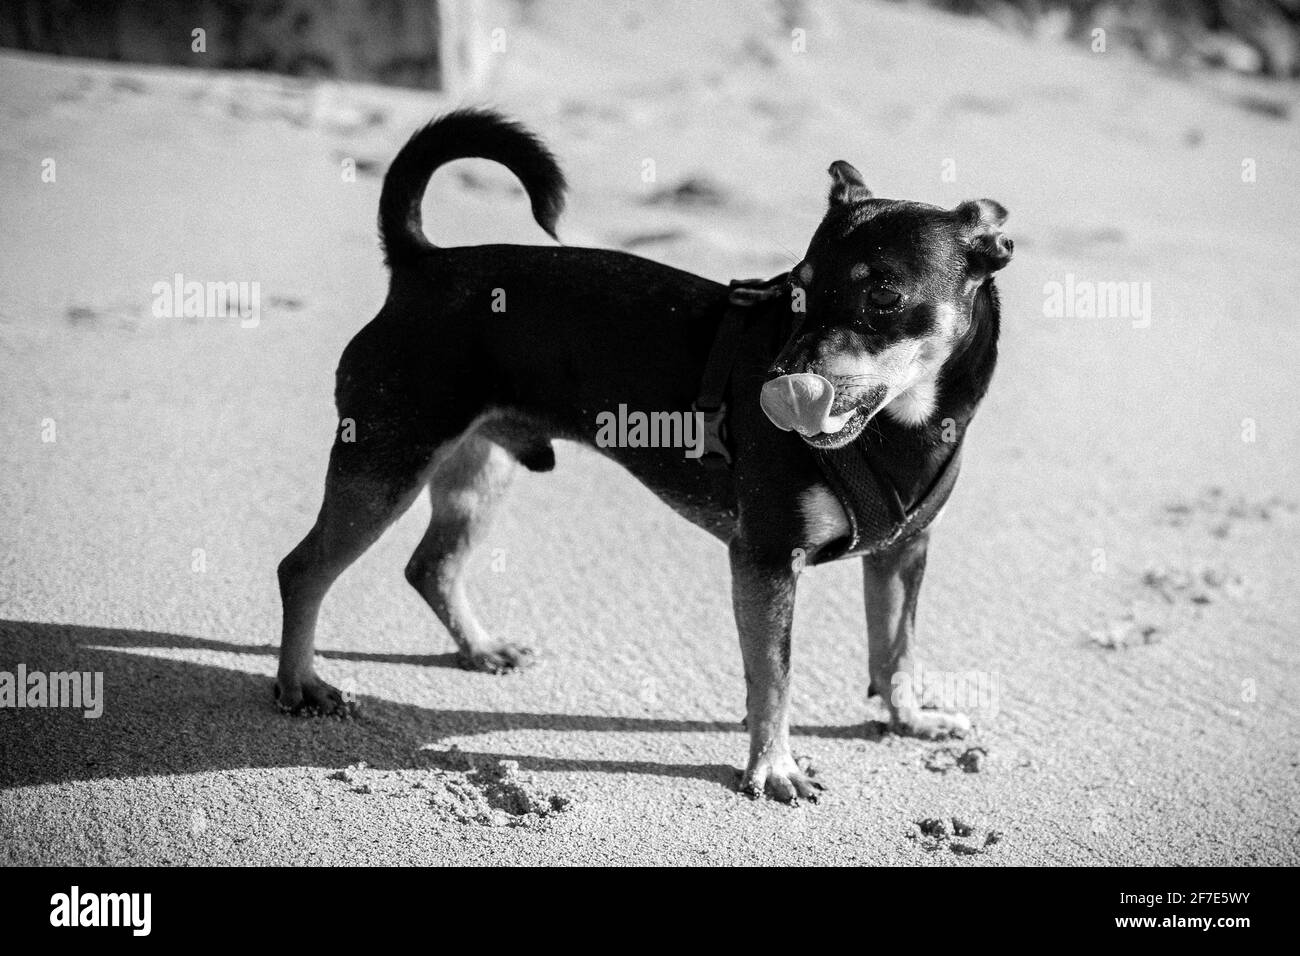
{"points": [[878, 519]]}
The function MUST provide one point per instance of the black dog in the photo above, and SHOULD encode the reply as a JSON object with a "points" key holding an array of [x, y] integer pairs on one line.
{"points": [[482, 355]]}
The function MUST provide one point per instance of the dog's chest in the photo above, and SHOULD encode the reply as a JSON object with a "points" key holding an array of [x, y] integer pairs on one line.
{"points": [[824, 518]]}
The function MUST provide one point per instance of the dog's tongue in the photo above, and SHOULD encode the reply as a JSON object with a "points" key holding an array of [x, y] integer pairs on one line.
{"points": [[800, 403]]}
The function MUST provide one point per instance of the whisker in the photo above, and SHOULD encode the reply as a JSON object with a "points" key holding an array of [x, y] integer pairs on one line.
{"points": [[786, 249], [860, 380]]}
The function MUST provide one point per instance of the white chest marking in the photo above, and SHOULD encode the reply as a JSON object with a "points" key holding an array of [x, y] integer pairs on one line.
{"points": [[823, 515], [916, 405]]}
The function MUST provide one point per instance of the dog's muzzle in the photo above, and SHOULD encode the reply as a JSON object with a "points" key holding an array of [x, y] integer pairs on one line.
{"points": [[802, 403]]}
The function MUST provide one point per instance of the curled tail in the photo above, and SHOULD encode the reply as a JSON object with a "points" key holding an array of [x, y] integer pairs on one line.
{"points": [[464, 134]]}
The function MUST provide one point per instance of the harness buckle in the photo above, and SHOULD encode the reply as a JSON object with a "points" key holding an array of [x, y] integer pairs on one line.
{"points": [[716, 454], [752, 291]]}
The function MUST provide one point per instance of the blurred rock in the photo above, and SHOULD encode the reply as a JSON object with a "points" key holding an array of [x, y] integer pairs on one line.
{"points": [[1246, 36], [435, 44]]}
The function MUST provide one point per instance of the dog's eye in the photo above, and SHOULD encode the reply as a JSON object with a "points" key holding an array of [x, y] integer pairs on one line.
{"points": [[883, 297]]}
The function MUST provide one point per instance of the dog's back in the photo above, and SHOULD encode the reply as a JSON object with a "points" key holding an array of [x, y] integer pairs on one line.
{"points": [[461, 323]]}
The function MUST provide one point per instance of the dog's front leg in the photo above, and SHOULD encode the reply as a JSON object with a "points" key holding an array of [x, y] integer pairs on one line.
{"points": [[892, 582], [762, 593]]}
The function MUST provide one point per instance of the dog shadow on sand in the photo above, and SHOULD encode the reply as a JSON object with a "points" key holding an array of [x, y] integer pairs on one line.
{"points": [[183, 717]]}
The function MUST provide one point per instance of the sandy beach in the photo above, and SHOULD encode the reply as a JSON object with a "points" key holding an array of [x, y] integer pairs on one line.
{"points": [[1117, 563]]}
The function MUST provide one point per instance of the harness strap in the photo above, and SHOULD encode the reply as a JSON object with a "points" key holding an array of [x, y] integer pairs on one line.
{"points": [[711, 402], [877, 518]]}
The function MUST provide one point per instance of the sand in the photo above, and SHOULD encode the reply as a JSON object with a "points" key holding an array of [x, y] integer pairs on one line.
{"points": [[1117, 563]]}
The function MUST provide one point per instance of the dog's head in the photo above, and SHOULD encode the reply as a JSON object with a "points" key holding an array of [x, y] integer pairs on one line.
{"points": [[887, 290]]}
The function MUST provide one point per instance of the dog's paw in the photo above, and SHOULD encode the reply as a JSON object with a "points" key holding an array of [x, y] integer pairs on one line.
{"points": [[499, 659], [782, 778], [315, 698], [931, 724]]}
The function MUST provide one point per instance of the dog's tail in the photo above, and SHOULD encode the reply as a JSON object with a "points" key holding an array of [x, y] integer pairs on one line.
{"points": [[463, 134]]}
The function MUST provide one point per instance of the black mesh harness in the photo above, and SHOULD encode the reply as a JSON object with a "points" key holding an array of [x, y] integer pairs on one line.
{"points": [[878, 518]]}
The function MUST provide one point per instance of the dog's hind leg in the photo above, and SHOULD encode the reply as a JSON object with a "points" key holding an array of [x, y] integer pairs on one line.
{"points": [[464, 489], [892, 582], [364, 494]]}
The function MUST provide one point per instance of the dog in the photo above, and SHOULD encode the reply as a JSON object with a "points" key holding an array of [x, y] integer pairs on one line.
{"points": [[885, 332]]}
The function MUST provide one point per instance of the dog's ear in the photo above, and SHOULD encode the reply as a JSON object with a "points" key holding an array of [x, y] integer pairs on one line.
{"points": [[988, 246], [847, 185], [986, 212]]}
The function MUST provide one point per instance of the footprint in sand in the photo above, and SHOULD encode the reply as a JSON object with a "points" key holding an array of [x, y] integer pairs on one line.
{"points": [[1173, 597], [638, 240], [693, 192], [933, 835], [496, 185], [1219, 512], [1172, 603], [463, 789], [947, 758], [364, 166]]}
